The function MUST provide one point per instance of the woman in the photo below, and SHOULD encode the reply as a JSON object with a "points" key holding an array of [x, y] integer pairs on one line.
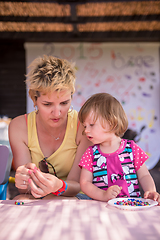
{"points": [[48, 139]]}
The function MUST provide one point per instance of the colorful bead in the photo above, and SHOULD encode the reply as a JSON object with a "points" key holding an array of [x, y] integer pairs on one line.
{"points": [[132, 202], [19, 203]]}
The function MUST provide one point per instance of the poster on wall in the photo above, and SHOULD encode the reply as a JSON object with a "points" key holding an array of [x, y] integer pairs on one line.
{"points": [[128, 71]]}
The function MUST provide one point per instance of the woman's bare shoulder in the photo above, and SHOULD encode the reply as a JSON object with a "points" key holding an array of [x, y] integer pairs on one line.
{"points": [[19, 120], [18, 125]]}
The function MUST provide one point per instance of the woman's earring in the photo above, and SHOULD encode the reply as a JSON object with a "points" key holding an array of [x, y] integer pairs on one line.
{"points": [[36, 109], [71, 109]]}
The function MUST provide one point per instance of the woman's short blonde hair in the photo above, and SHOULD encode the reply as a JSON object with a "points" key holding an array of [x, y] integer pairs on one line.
{"points": [[107, 108], [49, 74]]}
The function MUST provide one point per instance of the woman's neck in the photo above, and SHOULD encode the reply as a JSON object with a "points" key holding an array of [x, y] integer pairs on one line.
{"points": [[55, 132]]}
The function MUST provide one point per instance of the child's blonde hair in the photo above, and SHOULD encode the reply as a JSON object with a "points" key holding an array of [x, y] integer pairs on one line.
{"points": [[49, 74], [107, 108]]}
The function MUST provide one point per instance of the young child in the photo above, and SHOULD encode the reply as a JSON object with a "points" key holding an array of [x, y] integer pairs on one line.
{"points": [[113, 166]]}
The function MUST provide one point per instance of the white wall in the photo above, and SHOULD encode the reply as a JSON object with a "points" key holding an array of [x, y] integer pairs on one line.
{"points": [[128, 71]]}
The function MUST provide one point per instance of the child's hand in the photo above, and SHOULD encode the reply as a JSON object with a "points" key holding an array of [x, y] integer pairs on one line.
{"points": [[112, 192], [152, 195]]}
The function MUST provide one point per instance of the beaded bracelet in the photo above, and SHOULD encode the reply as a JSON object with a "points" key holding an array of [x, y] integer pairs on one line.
{"points": [[62, 189]]}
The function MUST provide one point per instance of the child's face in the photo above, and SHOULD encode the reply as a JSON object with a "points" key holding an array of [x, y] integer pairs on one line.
{"points": [[94, 130]]}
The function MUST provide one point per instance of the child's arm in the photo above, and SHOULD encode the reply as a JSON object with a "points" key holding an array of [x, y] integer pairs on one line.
{"points": [[93, 191], [147, 184]]}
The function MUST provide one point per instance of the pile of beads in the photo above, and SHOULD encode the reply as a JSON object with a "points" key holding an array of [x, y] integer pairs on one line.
{"points": [[19, 203], [132, 202]]}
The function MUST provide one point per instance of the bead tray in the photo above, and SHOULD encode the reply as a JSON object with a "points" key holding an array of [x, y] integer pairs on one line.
{"points": [[125, 203]]}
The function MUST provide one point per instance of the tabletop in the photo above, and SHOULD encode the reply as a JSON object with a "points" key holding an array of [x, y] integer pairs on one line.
{"points": [[69, 219]]}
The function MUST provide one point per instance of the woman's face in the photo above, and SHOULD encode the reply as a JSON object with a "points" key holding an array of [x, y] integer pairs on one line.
{"points": [[53, 107]]}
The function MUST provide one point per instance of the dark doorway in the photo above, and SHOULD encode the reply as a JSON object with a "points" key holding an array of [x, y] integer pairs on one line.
{"points": [[12, 77]]}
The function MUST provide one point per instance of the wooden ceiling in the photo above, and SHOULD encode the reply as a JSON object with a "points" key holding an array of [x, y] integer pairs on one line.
{"points": [[72, 21]]}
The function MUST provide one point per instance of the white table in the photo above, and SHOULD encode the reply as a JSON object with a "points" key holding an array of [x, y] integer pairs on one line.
{"points": [[70, 219]]}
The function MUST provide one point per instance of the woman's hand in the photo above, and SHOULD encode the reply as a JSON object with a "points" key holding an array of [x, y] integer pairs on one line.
{"points": [[42, 184], [152, 195], [22, 176]]}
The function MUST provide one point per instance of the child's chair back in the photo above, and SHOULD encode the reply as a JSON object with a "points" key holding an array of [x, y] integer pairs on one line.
{"points": [[5, 167]]}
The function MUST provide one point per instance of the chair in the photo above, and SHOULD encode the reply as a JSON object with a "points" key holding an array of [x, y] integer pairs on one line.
{"points": [[5, 167]]}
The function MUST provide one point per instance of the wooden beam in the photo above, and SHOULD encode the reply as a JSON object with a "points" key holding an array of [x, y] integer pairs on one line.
{"points": [[124, 36]]}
